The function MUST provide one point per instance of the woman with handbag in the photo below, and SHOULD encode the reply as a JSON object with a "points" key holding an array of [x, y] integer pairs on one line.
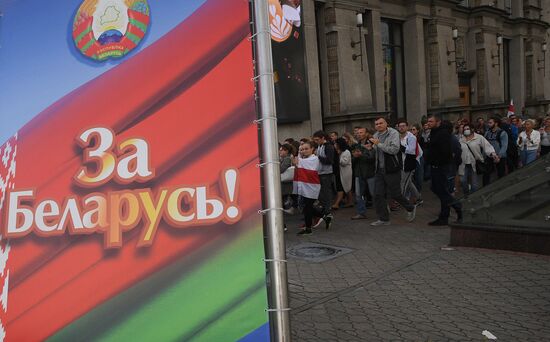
{"points": [[474, 149]]}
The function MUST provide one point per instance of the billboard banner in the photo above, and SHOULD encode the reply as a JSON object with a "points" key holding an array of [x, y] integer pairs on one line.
{"points": [[288, 45], [129, 197]]}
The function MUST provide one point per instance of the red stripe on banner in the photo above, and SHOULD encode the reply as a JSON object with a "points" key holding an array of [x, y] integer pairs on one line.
{"points": [[307, 176]]}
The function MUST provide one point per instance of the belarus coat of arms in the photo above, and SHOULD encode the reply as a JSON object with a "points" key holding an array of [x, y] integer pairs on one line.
{"points": [[104, 29]]}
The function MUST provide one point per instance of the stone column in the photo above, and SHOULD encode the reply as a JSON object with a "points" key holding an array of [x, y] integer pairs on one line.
{"points": [[517, 71], [375, 60], [312, 63], [415, 68]]}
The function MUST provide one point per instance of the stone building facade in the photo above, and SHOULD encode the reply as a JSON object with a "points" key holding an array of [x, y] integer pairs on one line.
{"points": [[410, 58]]}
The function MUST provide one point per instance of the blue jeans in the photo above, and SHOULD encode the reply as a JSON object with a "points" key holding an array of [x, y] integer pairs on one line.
{"points": [[528, 156], [360, 189], [469, 180]]}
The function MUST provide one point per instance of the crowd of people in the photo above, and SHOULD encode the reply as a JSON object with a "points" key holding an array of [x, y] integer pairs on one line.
{"points": [[386, 169]]}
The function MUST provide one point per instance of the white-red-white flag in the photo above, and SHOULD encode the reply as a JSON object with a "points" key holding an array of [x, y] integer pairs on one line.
{"points": [[511, 109]]}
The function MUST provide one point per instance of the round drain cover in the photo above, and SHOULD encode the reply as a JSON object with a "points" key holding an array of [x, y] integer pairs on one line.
{"points": [[315, 252]]}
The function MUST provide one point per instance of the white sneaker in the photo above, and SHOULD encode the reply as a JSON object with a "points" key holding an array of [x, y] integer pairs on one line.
{"points": [[411, 215], [380, 223], [320, 222]]}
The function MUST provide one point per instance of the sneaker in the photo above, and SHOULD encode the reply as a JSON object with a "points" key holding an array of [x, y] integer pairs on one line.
{"points": [[411, 215], [380, 223], [328, 221], [358, 217], [438, 223], [317, 222], [305, 231]]}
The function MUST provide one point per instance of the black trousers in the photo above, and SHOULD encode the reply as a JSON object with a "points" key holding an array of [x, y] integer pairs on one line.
{"points": [[310, 211], [441, 189], [326, 196], [384, 185]]}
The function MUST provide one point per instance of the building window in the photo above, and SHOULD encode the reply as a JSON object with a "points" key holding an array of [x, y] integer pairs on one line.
{"points": [[394, 71]]}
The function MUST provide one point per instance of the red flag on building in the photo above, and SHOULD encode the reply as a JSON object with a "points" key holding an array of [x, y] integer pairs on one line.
{"points": [[511, 109]]}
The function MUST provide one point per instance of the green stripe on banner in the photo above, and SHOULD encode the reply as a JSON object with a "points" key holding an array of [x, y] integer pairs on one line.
{"points": [[139, 24], [225, 296]]}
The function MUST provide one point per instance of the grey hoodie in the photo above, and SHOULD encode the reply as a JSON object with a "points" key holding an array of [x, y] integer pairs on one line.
{"points": [[390, 143]]}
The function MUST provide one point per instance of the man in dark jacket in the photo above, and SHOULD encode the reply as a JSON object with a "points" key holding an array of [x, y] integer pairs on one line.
{"points": [[363, 170], [440, 160], [326, 154]]}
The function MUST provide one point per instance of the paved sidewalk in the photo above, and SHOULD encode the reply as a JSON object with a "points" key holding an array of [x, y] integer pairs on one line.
{"points": [[399, 285]]}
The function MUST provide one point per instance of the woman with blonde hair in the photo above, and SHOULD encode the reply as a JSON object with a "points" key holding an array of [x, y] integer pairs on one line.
{"points": [[350, 140], [529, 143]]}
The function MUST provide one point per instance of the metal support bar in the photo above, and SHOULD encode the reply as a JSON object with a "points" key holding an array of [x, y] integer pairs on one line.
{"points": [[275, 244]]}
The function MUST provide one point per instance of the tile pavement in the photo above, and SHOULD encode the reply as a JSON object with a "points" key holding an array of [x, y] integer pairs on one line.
{"points": [[399, 285]]}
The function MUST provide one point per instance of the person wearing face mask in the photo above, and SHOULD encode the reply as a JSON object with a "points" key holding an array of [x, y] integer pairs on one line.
{"points": [[474, 148]]}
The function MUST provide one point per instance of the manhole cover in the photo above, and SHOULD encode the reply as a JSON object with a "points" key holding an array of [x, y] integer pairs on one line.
{"points": [[317, 252]]}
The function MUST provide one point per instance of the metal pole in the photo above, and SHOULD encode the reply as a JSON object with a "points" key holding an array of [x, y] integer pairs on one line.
{"points": [[276, 260]]}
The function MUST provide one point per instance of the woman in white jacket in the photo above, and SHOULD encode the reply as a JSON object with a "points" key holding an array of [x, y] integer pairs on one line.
{"points": [[529, 143], [343, 183], [474, 148]]}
